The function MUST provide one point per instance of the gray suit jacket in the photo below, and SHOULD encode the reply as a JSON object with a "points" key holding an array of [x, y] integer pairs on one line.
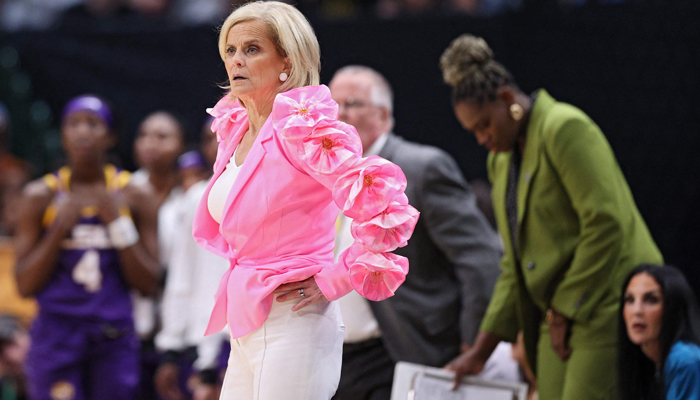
{"points": [[453, 255]]}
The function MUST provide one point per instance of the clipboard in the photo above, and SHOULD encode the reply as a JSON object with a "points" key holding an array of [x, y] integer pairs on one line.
{"points": [[420, 382]]}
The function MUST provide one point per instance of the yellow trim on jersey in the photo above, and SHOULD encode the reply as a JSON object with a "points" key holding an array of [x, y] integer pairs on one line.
{"points": [[110, 173], [125, 211], [49, 215], [114, 181], [89, 211], [122, 179], [51, 181], [64, 177]]}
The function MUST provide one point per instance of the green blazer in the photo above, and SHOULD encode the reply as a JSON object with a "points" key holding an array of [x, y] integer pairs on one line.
{"points": [[579, 231]]}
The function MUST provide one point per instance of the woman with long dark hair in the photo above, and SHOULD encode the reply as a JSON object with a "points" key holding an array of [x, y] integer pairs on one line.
{"points": [[658, 352]]}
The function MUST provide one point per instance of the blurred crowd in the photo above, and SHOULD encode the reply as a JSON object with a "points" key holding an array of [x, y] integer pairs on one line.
{"points": [[45, 14]]}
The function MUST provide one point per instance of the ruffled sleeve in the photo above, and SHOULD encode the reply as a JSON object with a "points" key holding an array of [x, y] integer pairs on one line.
{"points": [[370, 191], [227, 114]]}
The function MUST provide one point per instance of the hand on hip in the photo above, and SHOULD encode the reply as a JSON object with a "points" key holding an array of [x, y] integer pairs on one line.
{"points": [[306, 290]]}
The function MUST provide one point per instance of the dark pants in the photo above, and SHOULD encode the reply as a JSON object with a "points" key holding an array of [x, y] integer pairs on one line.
{"points": [[149, 360], [76, 359], [367, 372]]}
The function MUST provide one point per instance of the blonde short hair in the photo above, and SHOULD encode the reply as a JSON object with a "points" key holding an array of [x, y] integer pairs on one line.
{"points": [[290, 31]]}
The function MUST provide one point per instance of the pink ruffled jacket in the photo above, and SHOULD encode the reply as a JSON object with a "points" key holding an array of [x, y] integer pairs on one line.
{"points": [[278, 224]]}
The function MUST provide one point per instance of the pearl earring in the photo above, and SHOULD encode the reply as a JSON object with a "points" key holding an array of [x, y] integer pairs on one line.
{"points": [[516, 111], [283, 76]]}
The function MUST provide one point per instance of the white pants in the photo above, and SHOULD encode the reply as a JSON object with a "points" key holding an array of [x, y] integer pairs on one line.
{"points": [[293, 356]]}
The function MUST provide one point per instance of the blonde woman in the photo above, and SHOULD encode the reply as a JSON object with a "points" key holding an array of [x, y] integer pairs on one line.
{"points": [[285, 165]]}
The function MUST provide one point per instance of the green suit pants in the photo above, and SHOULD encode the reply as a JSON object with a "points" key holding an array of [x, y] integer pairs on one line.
{"points": [[590, 373]]}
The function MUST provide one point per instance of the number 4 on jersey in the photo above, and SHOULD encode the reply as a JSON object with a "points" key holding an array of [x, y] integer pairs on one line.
{"points": [[87, 271]]}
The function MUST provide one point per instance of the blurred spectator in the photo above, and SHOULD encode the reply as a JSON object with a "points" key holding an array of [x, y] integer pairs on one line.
{"points": [[200, 12], [192, 168], [13, 175], [480, 8], [584, 2], [453, 248], [193, 275], [210, 146], [43, 14], [11, 303], [159, 142], [659, 336], [411, 8], [32, 14], [493, 7], [406, 8], [469, 7], [14, 345]]}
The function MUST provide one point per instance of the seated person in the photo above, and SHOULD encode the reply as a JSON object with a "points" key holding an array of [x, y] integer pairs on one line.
{"points": [[659, 356]]}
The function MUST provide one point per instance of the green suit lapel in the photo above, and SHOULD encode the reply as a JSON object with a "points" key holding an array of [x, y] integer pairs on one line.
{"points": [[531, 155]]}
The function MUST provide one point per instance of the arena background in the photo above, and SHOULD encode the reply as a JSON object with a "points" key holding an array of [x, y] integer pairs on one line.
{"points": [[632, 67]]}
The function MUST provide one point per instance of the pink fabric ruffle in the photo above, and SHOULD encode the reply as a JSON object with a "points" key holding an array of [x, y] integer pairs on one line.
{"points": [[376, 276], [368, 190], [330, 149], [298, 110], [388, 230], [227, 113], [368, 187]]}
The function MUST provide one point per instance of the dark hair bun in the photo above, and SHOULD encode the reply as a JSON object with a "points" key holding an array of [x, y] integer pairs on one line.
{"points": [[463, 58]]}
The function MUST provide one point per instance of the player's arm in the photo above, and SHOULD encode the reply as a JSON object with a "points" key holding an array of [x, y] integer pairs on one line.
{"points": [[139, 261], [37, 251]]}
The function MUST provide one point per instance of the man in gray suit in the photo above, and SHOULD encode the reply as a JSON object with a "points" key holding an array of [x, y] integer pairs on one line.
{"points": [[453, 254]]}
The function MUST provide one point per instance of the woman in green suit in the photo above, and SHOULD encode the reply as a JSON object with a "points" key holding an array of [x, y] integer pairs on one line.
{"points": [[568, 221]]}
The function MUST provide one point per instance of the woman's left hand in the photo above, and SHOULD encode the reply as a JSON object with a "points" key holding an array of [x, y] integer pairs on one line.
{"points": [[559, 331], [306, 290]]}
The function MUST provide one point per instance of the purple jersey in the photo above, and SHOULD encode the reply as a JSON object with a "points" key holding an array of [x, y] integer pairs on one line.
{"points": [[87, 281], [83, 341], [74, 359]]}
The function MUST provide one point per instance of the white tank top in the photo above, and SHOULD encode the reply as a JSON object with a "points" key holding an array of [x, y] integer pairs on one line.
{"points": [[221, 188]]}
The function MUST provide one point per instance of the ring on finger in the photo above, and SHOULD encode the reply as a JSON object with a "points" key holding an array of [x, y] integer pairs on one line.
{"points": [[301, 292]]}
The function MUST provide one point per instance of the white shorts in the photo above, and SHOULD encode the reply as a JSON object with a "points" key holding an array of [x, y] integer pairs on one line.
{"points": [[293, 356]]}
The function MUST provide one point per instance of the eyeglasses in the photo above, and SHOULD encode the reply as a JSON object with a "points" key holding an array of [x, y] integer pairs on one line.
{"points": [[352, 103]]}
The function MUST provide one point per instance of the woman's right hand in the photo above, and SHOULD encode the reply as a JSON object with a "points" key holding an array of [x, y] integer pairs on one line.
{"points": [[467, 363], [306, 290], [472, 361]]}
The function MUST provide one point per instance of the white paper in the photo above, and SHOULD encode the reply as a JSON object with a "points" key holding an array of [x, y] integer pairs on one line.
{"points": [[421, 382], [429, 388]]}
